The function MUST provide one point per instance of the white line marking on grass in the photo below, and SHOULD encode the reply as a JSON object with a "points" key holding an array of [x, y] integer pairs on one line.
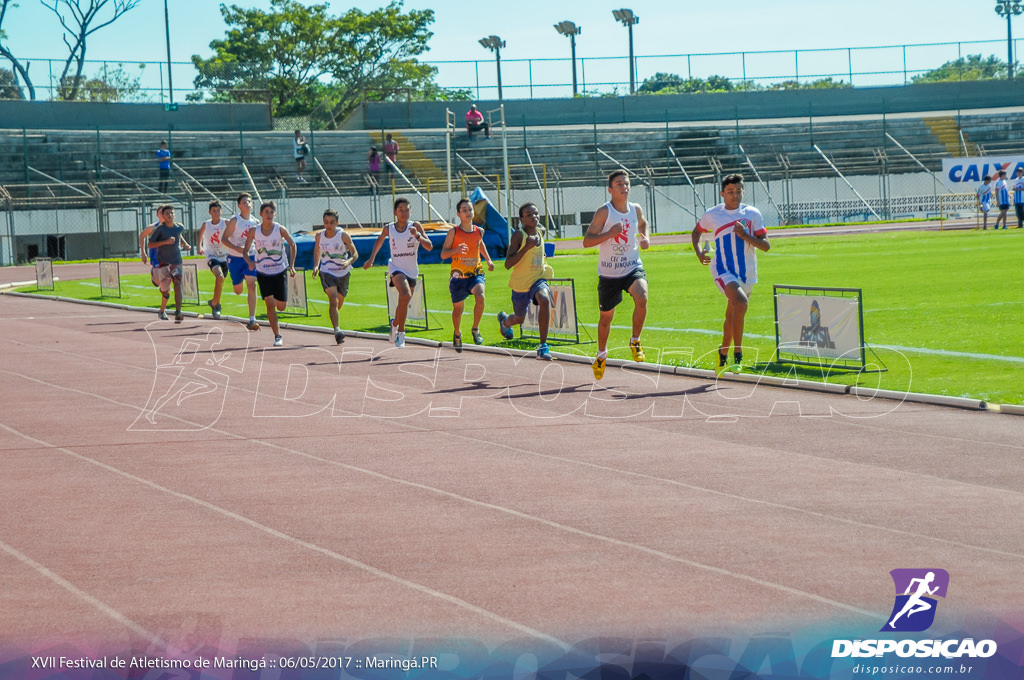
{"points": [[901, 348]]}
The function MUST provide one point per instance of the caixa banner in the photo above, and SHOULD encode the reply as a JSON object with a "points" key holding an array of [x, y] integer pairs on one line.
{"points": [[963, 175]]}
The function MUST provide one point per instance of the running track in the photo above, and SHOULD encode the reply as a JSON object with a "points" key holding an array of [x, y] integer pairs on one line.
{"points": [[321, 492]]}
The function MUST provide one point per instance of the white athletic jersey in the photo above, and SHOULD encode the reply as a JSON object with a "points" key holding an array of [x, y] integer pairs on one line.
{"points": [[1018, 190], [1002, 192], [985, 196], [733, 255], [332, 252], [404, 251], [619, 256], [212, 245], [269, 251], [241, 232]]}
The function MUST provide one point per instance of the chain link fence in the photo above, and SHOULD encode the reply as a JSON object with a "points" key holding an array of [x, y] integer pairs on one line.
{"points": [[537, 78]]}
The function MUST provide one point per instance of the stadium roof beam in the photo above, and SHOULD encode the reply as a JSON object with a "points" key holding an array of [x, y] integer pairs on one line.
{"points": [[628, 19], [494, 43], [572, 30]]}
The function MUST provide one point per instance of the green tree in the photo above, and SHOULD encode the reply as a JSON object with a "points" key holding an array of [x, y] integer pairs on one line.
{"points": [[304, 60], [9, 85], [971, 67], [19, 68], [80, 21], [670, 83], [659, 82], [820, 84], [110, 85]]}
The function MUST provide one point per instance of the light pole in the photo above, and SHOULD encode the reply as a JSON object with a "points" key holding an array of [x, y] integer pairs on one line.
{"points": [[167, 33], [628, 19], [494, 43], [1009, 9], [572, 30]]}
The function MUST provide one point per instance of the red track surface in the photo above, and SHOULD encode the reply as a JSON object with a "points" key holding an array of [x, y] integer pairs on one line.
{"points": [[184, 483]]}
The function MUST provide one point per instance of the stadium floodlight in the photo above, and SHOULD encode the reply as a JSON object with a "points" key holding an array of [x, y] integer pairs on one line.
{"points": [[628, 19], [572, 30], [494, 43], [1009, 9]]}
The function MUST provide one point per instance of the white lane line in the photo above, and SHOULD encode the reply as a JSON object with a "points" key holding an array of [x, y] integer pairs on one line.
{"points": [[450, 599], [103, 607], [471, 501]]}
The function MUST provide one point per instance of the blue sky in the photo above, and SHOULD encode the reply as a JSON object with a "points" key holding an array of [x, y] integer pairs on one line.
{"points": [[681, 27]]}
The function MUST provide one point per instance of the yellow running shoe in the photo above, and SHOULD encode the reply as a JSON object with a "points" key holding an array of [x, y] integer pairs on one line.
{"points": [[722, 366], [598, 367], [638, 351]]}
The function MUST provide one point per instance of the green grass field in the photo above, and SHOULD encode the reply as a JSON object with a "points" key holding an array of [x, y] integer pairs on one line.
{"points": [[943, 310]]}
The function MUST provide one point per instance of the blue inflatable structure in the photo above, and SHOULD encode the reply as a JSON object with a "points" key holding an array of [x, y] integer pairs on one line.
{"points": [[484, 215]]}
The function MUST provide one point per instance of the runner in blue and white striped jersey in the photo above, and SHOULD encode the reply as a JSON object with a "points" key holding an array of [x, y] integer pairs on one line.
{"points": [[1002, 192], [739, 233]]}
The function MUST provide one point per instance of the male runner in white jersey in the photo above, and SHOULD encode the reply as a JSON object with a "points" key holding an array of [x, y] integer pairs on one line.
{"points": [[234, 237], [619, 231], [268, 240], [210, 244], [739, 231], [333, 257], [405, 238]]}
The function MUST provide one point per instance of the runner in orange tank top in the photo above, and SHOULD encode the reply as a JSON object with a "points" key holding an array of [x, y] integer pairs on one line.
{"points": [[465, 246]]}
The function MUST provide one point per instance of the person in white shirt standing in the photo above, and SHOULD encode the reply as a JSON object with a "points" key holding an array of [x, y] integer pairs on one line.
{"points": [[619, 231], [1002, 196], [739, 232], [985, 200], [1018, 196]]}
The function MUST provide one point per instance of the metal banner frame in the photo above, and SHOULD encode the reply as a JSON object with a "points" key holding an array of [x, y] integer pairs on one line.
{"points": [[816, 333], [418, 311], [560, 288], [44, 273], [110, 278], [298, 302], [189, 284]]}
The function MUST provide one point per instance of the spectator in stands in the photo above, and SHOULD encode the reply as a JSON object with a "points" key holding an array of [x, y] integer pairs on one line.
{"points": [[300, 149], [475, 122], [163, 158], [391, 151], [1018, 196], [374, 161]]}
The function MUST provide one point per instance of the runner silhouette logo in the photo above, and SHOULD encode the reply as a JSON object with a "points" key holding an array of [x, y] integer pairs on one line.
{"points": [[916, 590]]}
